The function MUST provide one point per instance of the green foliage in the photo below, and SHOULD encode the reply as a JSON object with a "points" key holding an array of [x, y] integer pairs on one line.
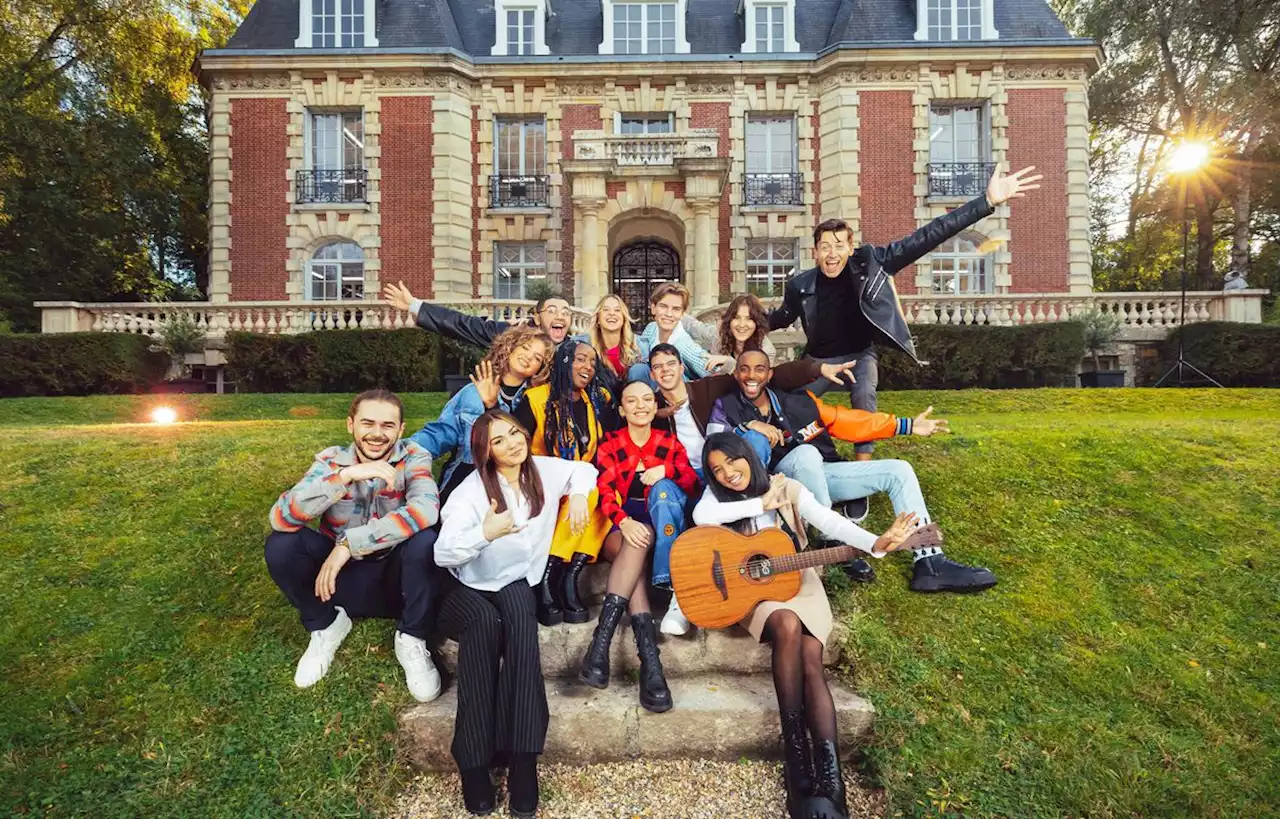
{"points": [[78, 364], [335, 361], [1236, 355], [1100, 329], [179, 336], [539, 289], [962, 357], [460, 358]]}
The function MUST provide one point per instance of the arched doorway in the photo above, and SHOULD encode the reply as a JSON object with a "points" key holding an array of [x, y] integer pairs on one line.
{"points": [[638, 268]]}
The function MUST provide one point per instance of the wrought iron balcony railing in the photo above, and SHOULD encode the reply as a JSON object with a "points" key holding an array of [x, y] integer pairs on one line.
{"points": [[959, 178], [519, 191], [774, 188], [341, 185]]}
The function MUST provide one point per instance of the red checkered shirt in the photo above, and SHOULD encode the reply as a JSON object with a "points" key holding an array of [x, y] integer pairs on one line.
{"points": [[618, 458]]}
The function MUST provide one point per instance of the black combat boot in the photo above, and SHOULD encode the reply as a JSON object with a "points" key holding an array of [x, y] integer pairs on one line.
{"points": [[549, 611], [595, 665], [797, 766], [570, 602], [655, 696]]}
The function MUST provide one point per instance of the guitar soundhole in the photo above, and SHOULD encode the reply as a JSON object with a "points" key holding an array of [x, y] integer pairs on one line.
{"points": [[757, 567]]}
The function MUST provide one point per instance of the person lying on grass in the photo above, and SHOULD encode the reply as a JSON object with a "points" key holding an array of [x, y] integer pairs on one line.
{"points": [[372, 555]]}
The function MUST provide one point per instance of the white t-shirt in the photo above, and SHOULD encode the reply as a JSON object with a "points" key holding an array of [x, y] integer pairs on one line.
{"points": [[689, 434]]}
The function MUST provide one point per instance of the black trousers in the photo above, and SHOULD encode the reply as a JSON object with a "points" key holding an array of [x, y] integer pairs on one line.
{"points": [[502, 697], [403, 585]]}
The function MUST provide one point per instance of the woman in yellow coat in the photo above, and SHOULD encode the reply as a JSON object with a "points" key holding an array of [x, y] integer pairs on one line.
{"points": [[567, 418]]}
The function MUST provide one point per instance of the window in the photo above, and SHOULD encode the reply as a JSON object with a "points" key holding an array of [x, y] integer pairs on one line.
{"points": [[960, 267], [959, 150], [644, 28], [768, 265], [520, 163], [516, 268], [336, 24], [771, 144], [771, 28], [637, 124], [336, 271], [334, 163], [519, 32], [947, 20]]}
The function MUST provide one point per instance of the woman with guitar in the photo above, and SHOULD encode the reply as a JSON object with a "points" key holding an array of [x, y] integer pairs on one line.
{"points": [[743, 496]]}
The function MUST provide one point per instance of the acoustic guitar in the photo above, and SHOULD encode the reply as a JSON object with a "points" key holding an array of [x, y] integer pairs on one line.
{"points": [[720, 575]]}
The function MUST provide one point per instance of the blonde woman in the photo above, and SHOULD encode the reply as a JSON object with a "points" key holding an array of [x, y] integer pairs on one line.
{"points": [[613, 336]]}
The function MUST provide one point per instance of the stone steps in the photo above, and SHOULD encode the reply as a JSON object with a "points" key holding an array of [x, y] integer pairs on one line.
{"points": [[716, 716]]}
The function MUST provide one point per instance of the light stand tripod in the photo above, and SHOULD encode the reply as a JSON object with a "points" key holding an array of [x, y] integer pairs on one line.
{"points": [[1182, 364]]}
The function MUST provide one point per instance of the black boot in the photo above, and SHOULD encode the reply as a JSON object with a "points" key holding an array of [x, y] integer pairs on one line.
{"points": [[477, 791], [859, 571], [655, 696], [574, 611], [828, 782], [595, 665], [549, 611], [936, 573], [522, 785], [797, 766]]}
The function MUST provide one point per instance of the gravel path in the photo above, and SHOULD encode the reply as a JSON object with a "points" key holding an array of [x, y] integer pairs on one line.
{"points": [[670, 789]]}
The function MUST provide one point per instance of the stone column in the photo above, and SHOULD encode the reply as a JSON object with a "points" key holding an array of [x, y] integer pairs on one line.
{"points": [[588, 178], [592, 287], [706, 289], [704, 186]]}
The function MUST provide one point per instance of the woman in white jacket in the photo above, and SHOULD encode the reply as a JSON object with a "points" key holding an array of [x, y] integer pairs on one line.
{"points": [[495, 539], [741, 494]]}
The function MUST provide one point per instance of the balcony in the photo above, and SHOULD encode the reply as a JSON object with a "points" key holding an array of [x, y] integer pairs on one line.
{"points": [[342, 186], [765, 189], [959, 179], [646, 150], [519, 191]]}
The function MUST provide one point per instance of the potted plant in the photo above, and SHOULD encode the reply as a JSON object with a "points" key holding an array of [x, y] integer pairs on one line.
{"points": [[181, 338], [1100, 329]]}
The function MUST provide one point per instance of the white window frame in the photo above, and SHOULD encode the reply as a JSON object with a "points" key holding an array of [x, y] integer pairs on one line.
{"points": [[340, 266], [969, 261], [305, 37], [988, 15], [538, 166], [308, 139], [501, 45], [681, 14], [519, 270], [777, 271], [792, 144], [619, 116], [751, 9]]}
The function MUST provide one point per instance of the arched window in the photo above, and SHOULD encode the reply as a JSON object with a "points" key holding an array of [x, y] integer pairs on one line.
{"points": [[963, 266], [336, 271]]}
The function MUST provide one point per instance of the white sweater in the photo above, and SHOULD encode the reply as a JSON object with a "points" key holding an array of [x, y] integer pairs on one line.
{"points": [[713, 512], [489, 566]]}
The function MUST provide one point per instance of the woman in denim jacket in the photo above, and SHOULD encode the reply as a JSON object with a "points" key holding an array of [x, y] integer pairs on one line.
{"points": [[519, 358]]}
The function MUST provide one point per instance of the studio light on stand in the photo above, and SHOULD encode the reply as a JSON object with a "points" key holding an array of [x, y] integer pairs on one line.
{"points": [[1187, 160]]}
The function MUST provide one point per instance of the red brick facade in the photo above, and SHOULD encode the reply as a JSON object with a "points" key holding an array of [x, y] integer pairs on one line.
{"points": [[406, 167], [1038, 223], [887, 182], [259, 199], [572, 118], [716, 115]]}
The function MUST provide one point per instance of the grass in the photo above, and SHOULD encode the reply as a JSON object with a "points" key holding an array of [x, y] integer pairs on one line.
{"points": [[1125, 666]]}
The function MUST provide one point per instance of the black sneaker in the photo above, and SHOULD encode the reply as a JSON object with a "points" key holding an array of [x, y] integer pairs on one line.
{"points": [[937, 573], [859, 571], [856, 509]]}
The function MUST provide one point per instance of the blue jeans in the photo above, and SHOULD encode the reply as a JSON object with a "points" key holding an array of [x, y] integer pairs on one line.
{"points": [[664, 511], [862, 394], [846, 480], [760, 444]]}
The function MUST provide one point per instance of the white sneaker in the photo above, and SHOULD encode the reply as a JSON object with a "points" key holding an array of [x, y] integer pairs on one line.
{"points": [[419, 672], [318, 657], [675, 623]]}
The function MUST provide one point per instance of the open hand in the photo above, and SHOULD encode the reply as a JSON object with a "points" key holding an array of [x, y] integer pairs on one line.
{"points": [[635, 534], [839, 373], [715, 363], [578, 513], [653, 474], [497, 524], [398, 295], [327, 579], [771, 433], [897, 533], [924, 425], [487, 385], [1002, 188]]}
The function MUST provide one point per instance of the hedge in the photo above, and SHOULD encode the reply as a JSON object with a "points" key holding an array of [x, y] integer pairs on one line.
{"points": [[406, 360], [78, 364], [1038, 355], [1235, 355]]}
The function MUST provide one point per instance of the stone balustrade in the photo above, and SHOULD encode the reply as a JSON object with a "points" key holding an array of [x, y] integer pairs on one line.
{"points": [[646, 149]]}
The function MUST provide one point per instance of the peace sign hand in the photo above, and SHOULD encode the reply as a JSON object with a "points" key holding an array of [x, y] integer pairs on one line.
{"points": [[498, 524], [1002, 188]]}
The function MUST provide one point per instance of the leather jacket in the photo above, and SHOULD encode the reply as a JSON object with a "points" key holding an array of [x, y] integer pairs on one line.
{"points": [[871, 266]]}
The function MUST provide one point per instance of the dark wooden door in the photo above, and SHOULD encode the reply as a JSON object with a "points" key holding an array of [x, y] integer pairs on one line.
{"points": [[640, 267]]}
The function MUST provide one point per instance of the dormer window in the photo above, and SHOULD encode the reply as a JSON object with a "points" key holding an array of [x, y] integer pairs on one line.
{"points": [[521, 28], [769, 25], [645, 27], [955, 20], [336, 24]]}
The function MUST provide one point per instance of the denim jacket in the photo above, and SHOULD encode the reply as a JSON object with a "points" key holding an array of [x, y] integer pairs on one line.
{"points": [[451, 432]]}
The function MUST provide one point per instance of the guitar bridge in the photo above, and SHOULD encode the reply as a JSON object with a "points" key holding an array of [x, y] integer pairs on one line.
{"points": [[717, 574]]}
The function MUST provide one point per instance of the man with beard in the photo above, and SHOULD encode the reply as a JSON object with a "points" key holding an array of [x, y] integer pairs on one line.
{"points": [[373, 552], [792, 432], [551, 314]]}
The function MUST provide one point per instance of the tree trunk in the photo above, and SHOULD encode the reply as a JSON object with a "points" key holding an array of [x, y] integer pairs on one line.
{"points": [[1203, 277], [1243, 210]]}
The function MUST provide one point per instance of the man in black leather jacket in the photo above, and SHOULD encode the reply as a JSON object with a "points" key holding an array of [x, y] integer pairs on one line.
{"points": [[551, 313]]}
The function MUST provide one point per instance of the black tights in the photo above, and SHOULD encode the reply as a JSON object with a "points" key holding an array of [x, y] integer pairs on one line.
{"points": [[798, 681]]}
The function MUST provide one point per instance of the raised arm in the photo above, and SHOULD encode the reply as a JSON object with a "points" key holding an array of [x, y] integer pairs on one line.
{"points": [[449, 323]]}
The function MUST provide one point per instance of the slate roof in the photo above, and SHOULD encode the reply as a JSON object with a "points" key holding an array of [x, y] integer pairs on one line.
{"points": [[577, 27]]}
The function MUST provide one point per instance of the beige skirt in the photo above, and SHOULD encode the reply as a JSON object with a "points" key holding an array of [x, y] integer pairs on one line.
{"points": [[810, 604]]}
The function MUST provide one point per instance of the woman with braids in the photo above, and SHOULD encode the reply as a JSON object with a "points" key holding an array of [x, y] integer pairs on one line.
{"points": [[519, 358], [743, 496], [614, 339], [568, 417], [744, 325], [493, 538]]}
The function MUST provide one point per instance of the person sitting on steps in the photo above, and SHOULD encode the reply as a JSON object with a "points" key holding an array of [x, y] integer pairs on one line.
{"points": [[741, 494], [375, 501], [645, 478], [495, 536]]}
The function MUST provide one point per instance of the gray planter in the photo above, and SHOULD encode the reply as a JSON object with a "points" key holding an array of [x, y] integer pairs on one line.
{"points": [[1102, 378]]}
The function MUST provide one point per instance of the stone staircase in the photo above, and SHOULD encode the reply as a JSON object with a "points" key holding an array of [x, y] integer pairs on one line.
{"points": [[720, 682]]}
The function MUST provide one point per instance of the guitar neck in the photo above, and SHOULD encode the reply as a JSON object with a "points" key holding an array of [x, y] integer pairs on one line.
{"points": [[811, 559]]}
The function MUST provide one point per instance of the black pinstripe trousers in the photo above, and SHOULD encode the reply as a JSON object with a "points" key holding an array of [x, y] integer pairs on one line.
{"points": [[502, 697]]}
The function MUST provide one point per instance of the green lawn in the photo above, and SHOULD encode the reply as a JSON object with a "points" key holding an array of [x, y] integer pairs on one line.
{"points": [[1125, 666]]}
